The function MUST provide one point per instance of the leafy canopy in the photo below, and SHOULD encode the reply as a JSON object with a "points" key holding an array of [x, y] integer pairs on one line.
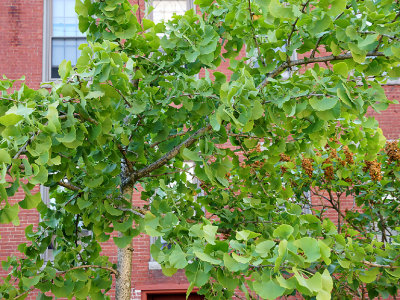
{"points": [[144, 99]]}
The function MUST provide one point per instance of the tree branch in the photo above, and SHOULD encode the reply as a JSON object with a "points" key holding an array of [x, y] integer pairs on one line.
{"points": [[69, 186], [168, 138], [370, 264], [169, 155], [133, 211], [306, 61], [115, 272], [294, 25]]}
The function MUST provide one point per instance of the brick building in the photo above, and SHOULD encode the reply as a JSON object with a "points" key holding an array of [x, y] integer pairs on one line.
{"points": [[35, 36]]}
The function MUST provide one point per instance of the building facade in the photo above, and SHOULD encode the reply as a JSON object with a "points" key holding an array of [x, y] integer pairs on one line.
{"points": [[35, 36]]}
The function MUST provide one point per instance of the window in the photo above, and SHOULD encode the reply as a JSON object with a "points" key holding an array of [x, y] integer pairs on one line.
{"points": [[165, 9], [61, 36]]}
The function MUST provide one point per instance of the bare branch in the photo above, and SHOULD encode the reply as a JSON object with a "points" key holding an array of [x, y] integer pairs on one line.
{"points": [[370, 264], [88, 267], [307, 61], [168, 138], [169, 155], [294, 25], [140, 214], [254, 33], [69, 186], [127, 161], [381, 38]]}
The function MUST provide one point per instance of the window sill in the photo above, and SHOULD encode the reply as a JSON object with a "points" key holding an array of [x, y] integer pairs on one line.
{"points": [[153, 265]]}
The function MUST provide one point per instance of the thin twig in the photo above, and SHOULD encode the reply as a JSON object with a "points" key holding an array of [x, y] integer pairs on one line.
{"points": [[307, 61], [168, 138]]}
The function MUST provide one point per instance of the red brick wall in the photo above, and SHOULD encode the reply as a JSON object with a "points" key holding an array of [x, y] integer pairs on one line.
{"points": [[21, 40]]}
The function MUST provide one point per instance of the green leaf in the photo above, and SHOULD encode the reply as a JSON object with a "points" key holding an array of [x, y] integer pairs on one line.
{"points": [[64, 69], [246, 235], [268, 289], [209, 233], [9, 214], [358, 54], [10, 119], [341, 69], [337, 7], [277, 10], [122, 241], [264, 248], [323, 104], [190, 155], [233, 265], [30, 201], [177, 258], [283, 232], [28, 282], [369, 276], [310, 247], [327, 282], [4, 157], [282, 251], [111, 210], [257, 110], [241, 259], [93, 183], [205, 257], [203, 3], [81, 8], [325, 252], [41, 175]]}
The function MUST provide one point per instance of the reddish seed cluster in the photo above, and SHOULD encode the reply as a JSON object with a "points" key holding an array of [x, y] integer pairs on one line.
{"points": [[307, 166], [284, 158], [374, 169], [328, 170], [255, 149], [393, 151], [349, 155]]}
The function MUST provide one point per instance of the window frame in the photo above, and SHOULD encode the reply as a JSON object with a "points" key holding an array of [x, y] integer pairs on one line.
{"points": [[47, 41], [189, 4]]}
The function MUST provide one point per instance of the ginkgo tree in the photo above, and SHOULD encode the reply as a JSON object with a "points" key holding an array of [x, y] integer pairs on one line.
{"points": [[144, 99]]}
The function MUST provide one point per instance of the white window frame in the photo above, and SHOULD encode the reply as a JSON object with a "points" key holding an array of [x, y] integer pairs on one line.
{"points": [[47, 38], [189, 4]]}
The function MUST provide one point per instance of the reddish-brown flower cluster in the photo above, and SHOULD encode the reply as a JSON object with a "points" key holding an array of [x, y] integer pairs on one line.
{"points": [[393, 151], [307, 166]]}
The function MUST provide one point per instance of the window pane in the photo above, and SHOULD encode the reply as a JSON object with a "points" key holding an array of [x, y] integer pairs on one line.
{"points": [[65, 20], [70, 50], [64, 49], [164, 10], [66, 36], [70, 8], [57, 51]]}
